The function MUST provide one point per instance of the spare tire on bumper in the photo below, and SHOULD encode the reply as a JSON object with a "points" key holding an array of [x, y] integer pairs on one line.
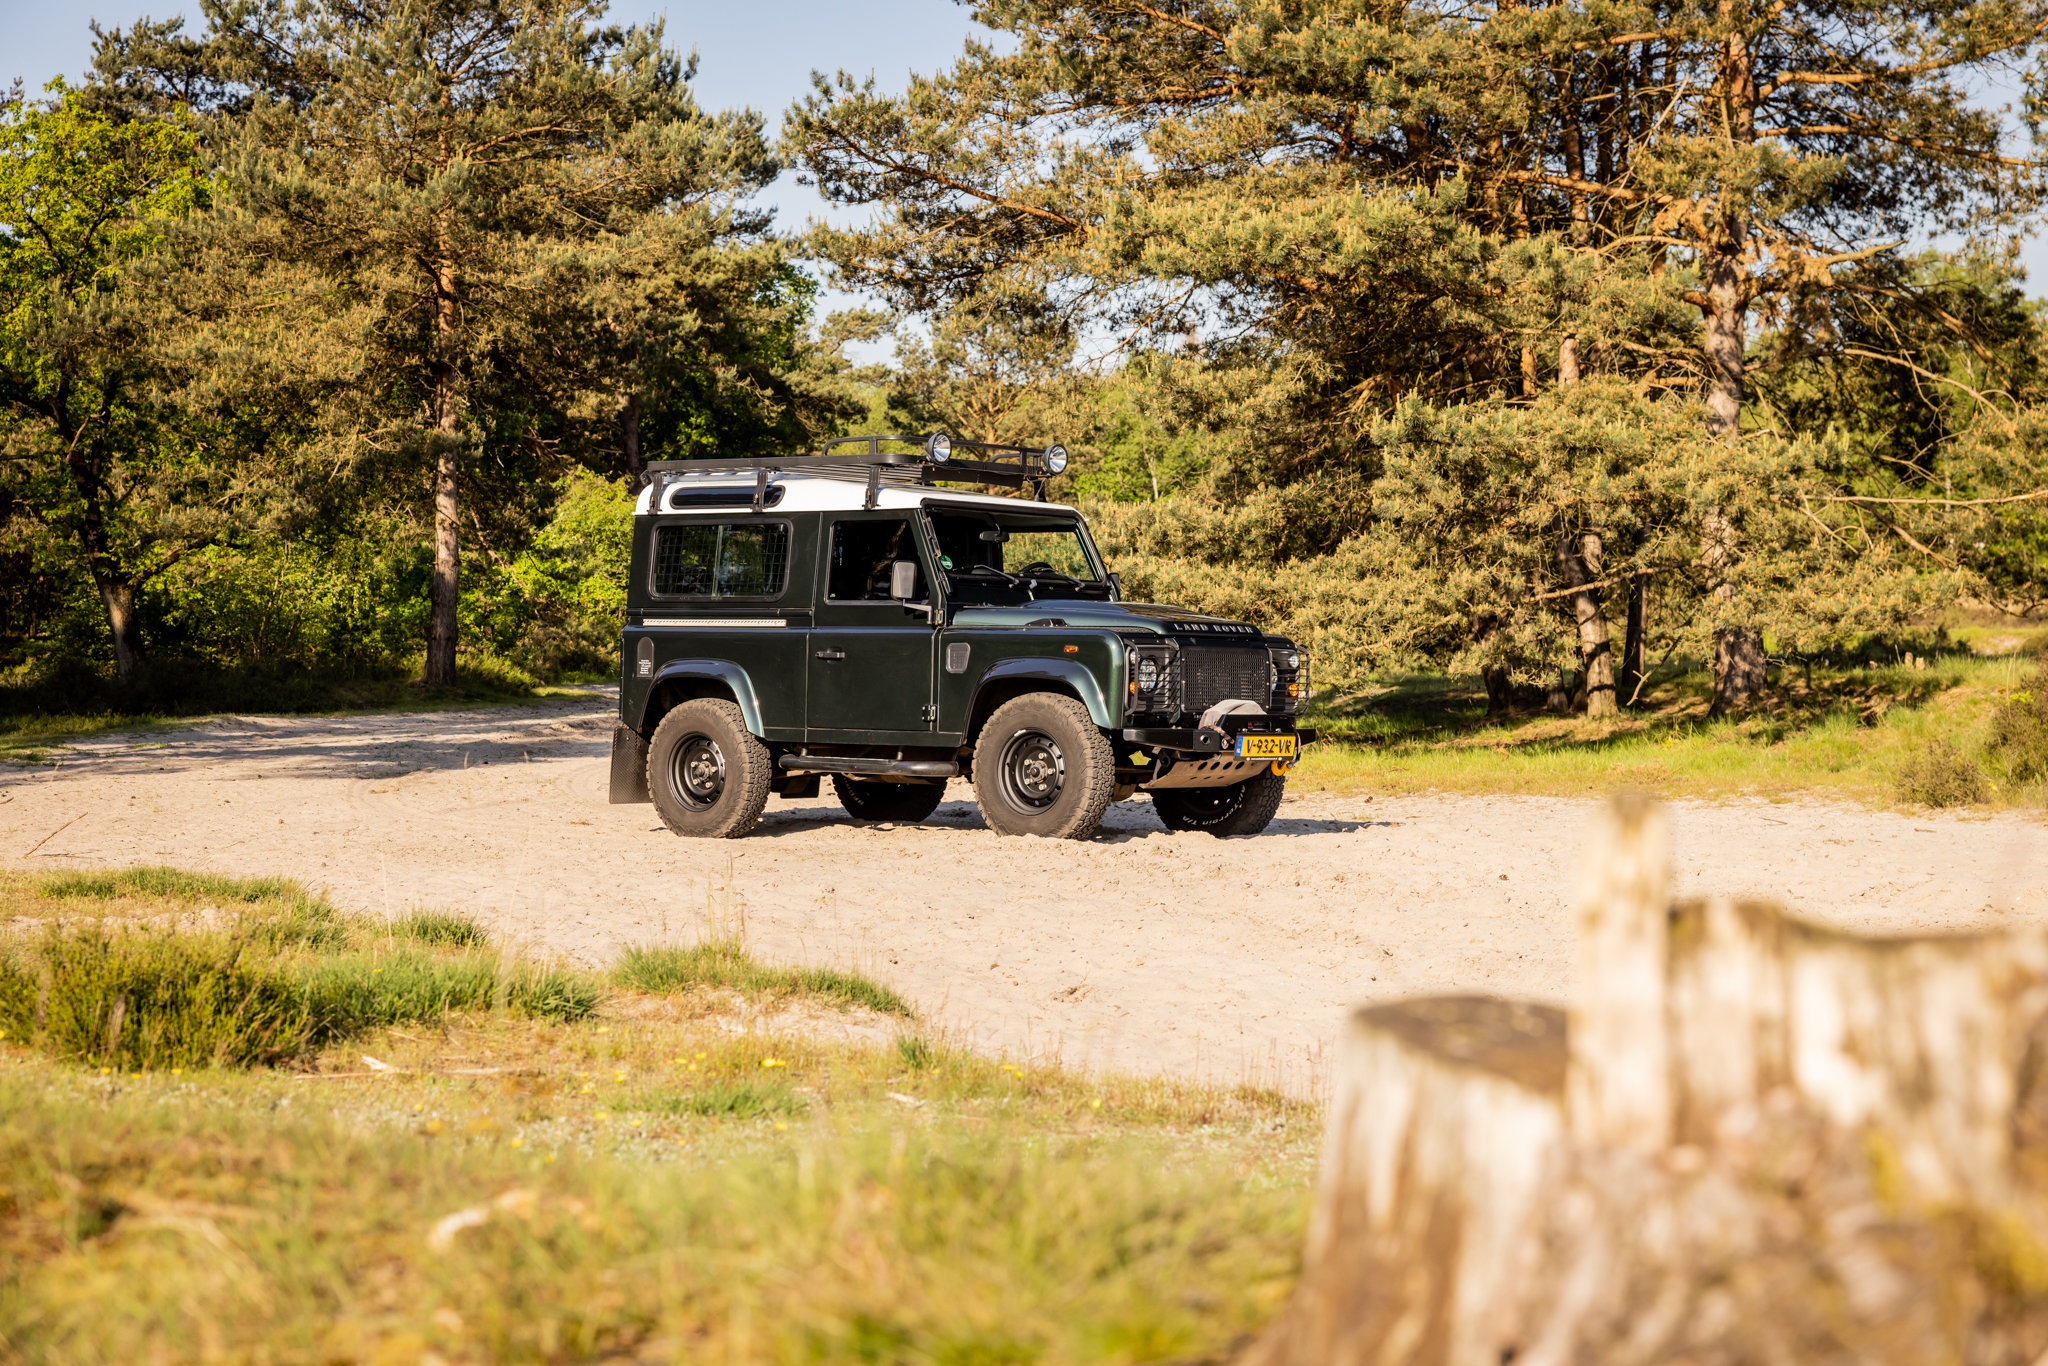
{"points": [[1243, 808]]}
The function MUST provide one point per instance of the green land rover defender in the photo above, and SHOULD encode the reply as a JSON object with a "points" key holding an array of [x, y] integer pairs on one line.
{"points": [[844, 614]]}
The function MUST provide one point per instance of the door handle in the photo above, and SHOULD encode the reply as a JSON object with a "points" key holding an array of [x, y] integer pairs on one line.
{"points": [[831, 654]]}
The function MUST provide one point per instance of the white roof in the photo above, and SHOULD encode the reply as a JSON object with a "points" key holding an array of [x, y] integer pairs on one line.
{"points": [[823, 493]]}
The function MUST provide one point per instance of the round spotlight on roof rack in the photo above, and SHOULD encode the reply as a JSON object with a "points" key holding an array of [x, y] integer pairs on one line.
{"points": [[938, 446], [1055, 459]]}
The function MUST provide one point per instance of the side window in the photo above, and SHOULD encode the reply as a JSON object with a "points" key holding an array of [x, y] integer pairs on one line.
{"points": [[862, 554], [713, 560]]}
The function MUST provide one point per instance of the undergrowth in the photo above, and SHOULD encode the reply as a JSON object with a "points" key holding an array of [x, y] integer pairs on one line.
{"points": [[1861, 726]]}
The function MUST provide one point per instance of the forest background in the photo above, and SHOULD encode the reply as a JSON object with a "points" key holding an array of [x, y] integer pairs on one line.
{"points": [[1541, 344]]}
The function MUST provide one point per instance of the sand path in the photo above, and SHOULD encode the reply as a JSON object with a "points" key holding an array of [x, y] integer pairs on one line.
{"points": [[1138, 950]]}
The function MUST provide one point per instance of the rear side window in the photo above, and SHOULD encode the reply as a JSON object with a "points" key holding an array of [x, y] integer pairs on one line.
{"points": [[721, 560]]}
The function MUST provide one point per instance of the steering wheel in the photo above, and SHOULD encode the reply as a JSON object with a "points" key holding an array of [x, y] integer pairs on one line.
{"points": [[1039, 569]]}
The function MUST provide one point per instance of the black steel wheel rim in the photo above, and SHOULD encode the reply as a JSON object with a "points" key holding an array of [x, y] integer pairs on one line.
{"points": [[697, 772], [1034, 771]]}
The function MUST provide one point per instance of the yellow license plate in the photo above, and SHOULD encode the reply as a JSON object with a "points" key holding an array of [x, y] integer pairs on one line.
{"points": [[1265, 746]]}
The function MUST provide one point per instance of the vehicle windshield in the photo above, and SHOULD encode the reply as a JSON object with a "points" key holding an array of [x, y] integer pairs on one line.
{"points": [[1017, 556]]}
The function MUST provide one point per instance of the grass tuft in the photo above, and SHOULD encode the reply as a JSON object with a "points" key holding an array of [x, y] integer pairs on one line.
{"points": [[152, 998], [729, 1100], [724, 964], [350, 993], [449, 929]]}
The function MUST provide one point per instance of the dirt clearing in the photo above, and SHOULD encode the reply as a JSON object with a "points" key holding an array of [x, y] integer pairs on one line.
{"points": [[1140, 950]]}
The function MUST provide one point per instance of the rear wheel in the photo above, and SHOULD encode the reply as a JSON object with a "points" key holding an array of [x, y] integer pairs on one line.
{"points": [[1042, 768], [1243, 808], [869, 801], [707, 776]]}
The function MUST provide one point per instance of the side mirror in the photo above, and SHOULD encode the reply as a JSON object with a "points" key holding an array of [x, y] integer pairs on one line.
{"points": [[1116, 586], [903, 580]]}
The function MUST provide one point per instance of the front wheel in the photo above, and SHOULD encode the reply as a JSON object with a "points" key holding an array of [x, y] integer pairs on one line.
{"points": [[1042, 768], [707, 776], [1243, 808], [870, 801]]}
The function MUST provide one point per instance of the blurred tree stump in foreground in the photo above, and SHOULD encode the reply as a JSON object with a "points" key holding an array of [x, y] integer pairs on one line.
{"points": [[1749, 1140]]}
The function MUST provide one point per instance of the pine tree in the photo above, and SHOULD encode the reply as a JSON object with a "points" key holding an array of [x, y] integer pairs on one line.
{"points": [[1376, 201], [466, 174]]}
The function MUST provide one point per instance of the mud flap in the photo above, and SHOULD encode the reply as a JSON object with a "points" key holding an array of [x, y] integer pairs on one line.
{"points": [[629, 766]]}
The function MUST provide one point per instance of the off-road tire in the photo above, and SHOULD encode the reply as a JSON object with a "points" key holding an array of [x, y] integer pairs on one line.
{"points": [[1042, 768], [1243, 808], [707, 777], [904, 802]]}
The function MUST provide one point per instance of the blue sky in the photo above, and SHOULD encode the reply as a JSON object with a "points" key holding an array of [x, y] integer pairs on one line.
{"points": [[750, 53]]}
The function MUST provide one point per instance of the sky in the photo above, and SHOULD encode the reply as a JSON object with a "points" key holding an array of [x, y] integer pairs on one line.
{"points": [[758, 53]]}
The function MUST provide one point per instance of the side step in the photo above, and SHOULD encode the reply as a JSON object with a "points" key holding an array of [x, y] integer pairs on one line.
{"points": [[880, 768]]}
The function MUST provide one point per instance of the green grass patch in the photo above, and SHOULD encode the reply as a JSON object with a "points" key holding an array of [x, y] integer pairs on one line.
{"points": [[157, 967], [1855, 728], [724, 964]]}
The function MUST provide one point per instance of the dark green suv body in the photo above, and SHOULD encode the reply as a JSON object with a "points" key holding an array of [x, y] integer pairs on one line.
{"points": [[787, 622]]}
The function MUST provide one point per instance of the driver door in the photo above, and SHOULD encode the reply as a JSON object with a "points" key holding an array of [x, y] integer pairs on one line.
{"points": [[871, 657]]}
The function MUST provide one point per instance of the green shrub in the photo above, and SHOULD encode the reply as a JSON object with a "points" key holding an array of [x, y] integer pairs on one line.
{"points": [[2019, 733], [725, 964], [152, 999], [1942, 775], [450, 929]]}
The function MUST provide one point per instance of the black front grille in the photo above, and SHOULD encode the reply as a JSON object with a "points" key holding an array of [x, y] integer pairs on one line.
{"points": [[1215, 673]]}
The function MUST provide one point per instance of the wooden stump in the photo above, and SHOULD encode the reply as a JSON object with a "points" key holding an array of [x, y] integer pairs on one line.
{"points": [[1749, 1140]]}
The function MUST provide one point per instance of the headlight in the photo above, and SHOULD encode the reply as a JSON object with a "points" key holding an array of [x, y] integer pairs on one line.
{"points": [[939, 447], [1055, 459], [1147, 676]]}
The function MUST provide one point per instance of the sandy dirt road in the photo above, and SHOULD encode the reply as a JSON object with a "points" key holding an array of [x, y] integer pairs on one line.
{"points": [[1139, 950]]}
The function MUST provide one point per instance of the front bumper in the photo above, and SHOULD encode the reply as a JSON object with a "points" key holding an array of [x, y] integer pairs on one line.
{"points": [[1220, 741]]}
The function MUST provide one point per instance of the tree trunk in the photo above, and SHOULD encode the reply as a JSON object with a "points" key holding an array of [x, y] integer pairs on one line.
{"points": [[446, 594], [629, 438], [1596, 655], [1739, 660], [118, 597], [1568, 361], [1726, 289], [1636, 645], [1752, 1140], [1529, 379]]}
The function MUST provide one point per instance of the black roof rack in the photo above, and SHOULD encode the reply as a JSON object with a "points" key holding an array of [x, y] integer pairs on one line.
{"points": [[1009, 466]]}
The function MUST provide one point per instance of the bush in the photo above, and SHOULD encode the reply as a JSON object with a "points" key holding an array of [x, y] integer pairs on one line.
{"points": [[1942, 775], [2019, 733], [725, 964]]}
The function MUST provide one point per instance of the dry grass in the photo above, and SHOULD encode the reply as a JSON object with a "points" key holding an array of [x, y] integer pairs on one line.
{"points": [[506, 1189]]}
